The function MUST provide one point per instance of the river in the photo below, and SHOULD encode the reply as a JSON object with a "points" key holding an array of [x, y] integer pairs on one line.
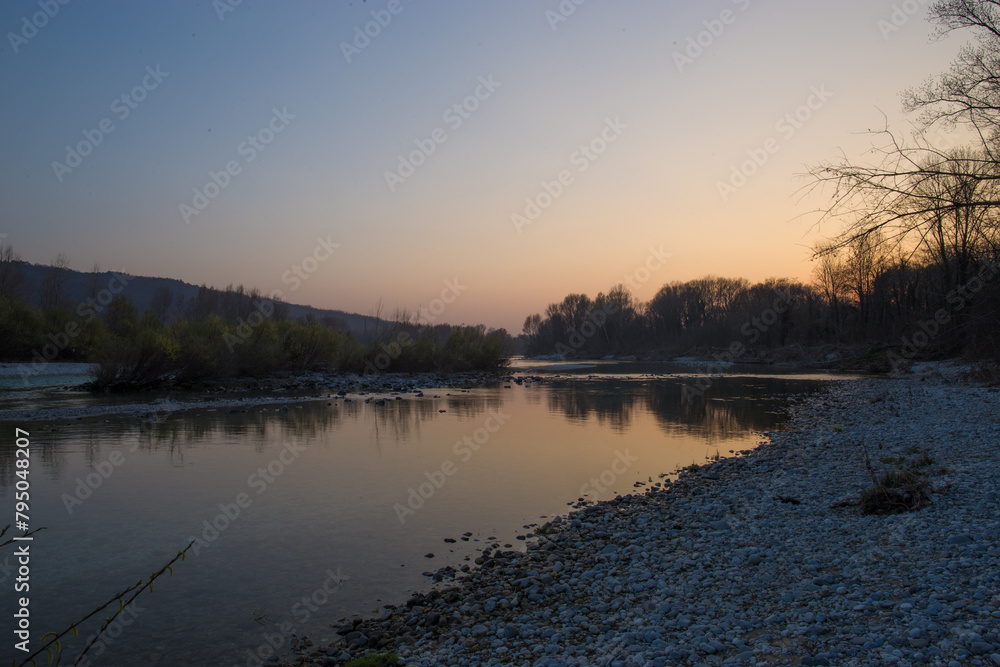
{"points": [[321, 507]]}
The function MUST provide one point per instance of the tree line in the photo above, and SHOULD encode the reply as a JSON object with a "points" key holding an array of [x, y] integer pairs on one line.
{"points": [[910, 273], [861, 303], [217, 334]]}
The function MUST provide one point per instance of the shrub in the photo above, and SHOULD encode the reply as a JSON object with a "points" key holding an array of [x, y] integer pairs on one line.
{"points": [[142, 352], [147, 360], [903, 489], [472, 348], [408, 349], [20, 329], [896, 491], [202, 352]]}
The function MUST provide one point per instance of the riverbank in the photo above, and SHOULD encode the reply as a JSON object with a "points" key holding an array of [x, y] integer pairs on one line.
{"points": [[240, 394], [760, 559], [842, 358]]}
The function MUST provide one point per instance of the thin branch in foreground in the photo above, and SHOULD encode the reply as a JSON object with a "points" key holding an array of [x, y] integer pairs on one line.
{"points": [[53, 647]]}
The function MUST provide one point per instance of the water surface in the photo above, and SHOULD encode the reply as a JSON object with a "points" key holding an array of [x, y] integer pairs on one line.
{"points": [[357, 491]]}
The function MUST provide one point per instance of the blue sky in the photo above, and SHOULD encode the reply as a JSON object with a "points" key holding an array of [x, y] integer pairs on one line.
{"points": [[554, 86]]}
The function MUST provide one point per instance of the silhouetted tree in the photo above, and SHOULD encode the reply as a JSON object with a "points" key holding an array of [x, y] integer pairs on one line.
{"points": [[969, 92], [830, 277]]}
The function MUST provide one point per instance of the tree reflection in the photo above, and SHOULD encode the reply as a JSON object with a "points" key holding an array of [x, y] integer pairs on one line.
{"points": [[728, 407]]}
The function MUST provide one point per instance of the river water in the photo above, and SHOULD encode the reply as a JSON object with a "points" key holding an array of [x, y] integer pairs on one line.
{"points": [[331, 507]]}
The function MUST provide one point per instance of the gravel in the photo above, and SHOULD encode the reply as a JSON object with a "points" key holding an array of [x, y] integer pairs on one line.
{"points": [[762, 559]]}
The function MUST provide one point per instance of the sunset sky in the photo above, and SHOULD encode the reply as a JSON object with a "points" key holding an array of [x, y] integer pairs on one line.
{"points": [[489, 105]]}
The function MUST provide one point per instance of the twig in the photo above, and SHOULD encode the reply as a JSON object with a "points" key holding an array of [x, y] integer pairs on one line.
{"points": [[135, 590]]}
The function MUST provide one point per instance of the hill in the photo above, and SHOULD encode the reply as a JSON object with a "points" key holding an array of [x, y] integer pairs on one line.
{"points": [[76, 287]]}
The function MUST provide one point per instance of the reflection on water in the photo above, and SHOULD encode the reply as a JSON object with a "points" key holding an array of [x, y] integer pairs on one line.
{"points": [[735, 406], [364, 489]]}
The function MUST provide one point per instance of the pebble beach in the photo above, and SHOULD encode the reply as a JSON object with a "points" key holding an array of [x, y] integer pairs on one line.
{"points": [[760, 559]]}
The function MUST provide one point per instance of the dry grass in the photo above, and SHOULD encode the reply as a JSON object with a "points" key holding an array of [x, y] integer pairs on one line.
{"points": [[903, 489]]}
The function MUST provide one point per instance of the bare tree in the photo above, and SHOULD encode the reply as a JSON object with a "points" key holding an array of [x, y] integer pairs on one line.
{"points": [[969, 93], [865, 263], [831, 279], [570, 314], [665, 311], [618, 315], [532, 325], [959, 230], [911, 188], [906, 190]]}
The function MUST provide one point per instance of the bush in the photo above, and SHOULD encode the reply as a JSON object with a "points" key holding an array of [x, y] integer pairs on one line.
{"points": [[20, 330], [406, 348], [471, 348], [904, 489], [896, 491], [141, 352], [309, 346], [147, 360], [202, 352]]}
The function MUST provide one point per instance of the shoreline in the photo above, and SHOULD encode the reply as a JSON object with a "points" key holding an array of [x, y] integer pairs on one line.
{"points": [[758, 559], [244, 393]]}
